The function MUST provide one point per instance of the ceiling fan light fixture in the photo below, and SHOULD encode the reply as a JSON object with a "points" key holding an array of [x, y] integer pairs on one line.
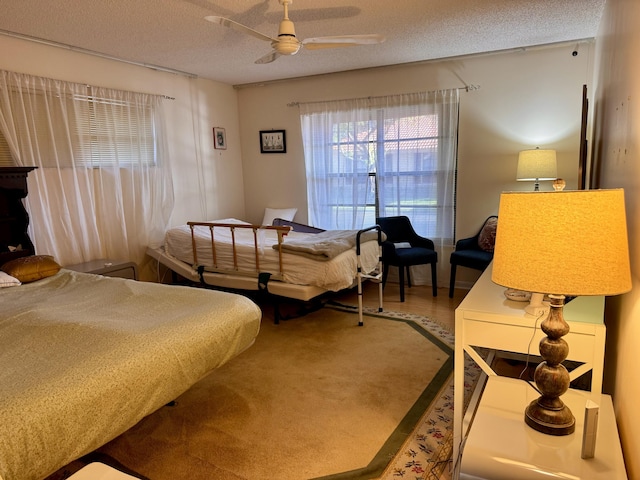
{"points": [[287, 45], [286, 28]]}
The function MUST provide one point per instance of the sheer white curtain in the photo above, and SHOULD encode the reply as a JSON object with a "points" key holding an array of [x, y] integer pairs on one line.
{"points": [[103, 185], [383, 156], [336, 138]]}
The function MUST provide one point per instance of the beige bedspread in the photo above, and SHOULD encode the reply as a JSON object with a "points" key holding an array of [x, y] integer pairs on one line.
{"points": [[83, 358]]}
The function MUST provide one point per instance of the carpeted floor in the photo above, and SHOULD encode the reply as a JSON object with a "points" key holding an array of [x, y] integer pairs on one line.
{"points": [[315, 398]]}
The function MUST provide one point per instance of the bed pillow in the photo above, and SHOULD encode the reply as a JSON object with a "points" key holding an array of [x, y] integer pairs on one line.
{"points": [[487, 237], [31, 268], [7, 280], [270, 214]]}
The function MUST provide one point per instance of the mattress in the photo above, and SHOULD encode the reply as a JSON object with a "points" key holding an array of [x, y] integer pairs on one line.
{"points": [[85, 357], [335, 274]]}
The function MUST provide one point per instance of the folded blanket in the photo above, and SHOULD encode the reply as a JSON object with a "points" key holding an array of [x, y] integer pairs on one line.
{"points": [[326, 245]]}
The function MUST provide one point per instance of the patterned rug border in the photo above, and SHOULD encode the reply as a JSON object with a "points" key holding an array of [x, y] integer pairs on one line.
{"points": [[438, 336], [426, 453]]}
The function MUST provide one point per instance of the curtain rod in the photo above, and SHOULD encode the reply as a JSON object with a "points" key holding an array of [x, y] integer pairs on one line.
{"points": [[166, 97], [93, 53], [88, 96], [468, 88]]}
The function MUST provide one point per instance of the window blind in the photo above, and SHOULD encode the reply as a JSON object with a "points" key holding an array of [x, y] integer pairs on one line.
{"points": [[6, 160], [86, 131], [110, 133]]}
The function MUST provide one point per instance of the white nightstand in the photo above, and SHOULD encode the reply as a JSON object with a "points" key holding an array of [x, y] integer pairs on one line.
{"points": [[500, 446], [109, 268], [485, 318]]}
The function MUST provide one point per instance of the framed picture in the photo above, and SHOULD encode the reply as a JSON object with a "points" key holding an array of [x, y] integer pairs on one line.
{"points": [[219, 138], [273, 141]]}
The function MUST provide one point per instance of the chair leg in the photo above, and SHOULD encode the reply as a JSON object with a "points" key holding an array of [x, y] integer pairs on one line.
{"points": [[401, 278], [452, 281], [434, 279], [409, 276]]}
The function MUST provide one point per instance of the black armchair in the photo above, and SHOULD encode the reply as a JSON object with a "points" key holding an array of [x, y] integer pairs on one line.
{"points": [[475, 252], [404, 248]]}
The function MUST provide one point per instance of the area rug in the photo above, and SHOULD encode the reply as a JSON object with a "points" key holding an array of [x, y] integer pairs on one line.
{"points": [[426, 453], [238, 423]]}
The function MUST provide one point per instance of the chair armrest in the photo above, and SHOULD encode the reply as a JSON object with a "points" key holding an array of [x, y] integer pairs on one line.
{"points": [[388, 249], [468, 244], [423, 242]]}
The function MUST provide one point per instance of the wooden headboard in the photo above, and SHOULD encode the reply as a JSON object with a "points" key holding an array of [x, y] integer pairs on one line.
{"points": [[14, 219]]}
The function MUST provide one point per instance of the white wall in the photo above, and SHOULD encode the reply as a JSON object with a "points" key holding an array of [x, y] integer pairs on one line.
{"points": [[208, 183], [526, 98], [617, 151]]}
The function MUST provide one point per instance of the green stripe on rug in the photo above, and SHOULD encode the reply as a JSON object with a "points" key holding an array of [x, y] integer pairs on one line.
{"points": [[408, 424], [391, 447]]}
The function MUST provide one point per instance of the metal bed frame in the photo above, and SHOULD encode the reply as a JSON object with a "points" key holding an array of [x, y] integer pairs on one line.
{"points": [[217, 277]]}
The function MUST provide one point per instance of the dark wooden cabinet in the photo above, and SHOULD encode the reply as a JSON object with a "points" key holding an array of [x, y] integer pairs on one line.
{"points": [[14, 218]]}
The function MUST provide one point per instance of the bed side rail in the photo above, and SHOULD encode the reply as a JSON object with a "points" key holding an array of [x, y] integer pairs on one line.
{"points": [[233, 227]]}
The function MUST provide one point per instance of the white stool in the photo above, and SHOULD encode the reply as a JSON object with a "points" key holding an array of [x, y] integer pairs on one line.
{"points": [[100, 471]]}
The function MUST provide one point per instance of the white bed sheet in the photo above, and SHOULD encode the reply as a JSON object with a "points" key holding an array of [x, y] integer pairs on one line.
{"points": [[83, 358], [334, 275]]}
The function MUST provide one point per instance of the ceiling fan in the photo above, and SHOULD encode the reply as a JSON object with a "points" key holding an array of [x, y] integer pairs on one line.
{"points": [[288, 44]]}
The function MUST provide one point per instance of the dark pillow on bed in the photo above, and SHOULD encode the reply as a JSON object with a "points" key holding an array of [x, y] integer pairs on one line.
{"points": [[31, 268]]}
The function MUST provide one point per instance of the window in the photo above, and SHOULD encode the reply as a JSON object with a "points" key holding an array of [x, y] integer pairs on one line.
{"points": [[103, 186], [88, 131], [392, 157], [107, 133]]}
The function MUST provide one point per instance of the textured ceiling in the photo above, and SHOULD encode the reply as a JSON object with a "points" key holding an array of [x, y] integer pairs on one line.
{"points": [[173, 33]]}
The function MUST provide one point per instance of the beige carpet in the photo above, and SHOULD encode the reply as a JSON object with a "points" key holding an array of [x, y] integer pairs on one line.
{"points": [[314, 397]]}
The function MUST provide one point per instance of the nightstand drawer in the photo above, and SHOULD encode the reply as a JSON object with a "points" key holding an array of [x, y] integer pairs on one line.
{"points": [[109, 268]]}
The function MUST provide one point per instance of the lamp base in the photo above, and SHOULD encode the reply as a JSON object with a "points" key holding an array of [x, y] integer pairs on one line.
{"points": [[551, 420], [548, 413]]}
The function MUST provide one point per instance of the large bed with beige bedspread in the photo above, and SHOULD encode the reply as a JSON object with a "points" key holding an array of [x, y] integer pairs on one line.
{"points": [[83, 358]]}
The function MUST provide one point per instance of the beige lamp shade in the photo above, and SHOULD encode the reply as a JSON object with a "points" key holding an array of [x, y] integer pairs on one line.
{"points": [[569, 242], [537, 164]]}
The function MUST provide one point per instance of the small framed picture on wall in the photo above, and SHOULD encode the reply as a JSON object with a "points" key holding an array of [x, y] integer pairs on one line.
{"points": [[273, 141], [219, 138]]}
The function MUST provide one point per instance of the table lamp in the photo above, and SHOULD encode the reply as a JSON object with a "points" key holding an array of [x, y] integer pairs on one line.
{"points": [[563, 243], [536, 165]]}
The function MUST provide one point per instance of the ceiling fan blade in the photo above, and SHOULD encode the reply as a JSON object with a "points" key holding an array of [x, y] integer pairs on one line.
{"points": [[315, 14], [342, 41], [268, 58], [225, 22]]}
